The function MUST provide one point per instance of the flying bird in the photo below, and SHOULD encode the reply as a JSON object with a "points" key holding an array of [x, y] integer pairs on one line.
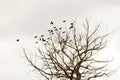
{"points": [[71, 24], [36, 42], [63, 32], [35, 36], [42, 35], [18, 40], [54, 27], [51, 23], [60, 28], [64, 21]]}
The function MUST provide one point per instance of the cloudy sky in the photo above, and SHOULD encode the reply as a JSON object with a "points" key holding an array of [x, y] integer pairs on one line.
{"points": [[25, 18]]}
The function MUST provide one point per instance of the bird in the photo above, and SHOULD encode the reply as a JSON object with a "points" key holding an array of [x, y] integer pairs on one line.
{"points": [[18, 40], [36, 42], [51, 22], [63, 32], [48, 30], [51, 31], [40, 39], [64, 21], [54, 27], [43, 39], [70, 40], [60, 28], [71, 24], [41, 35], [71, 27], [48, 38], [35, 36]]}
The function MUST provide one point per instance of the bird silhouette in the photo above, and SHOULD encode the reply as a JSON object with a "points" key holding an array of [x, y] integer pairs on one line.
{"points": [[64, 21], [51, 31], [18, 40], [41, 35], [35, 36], [51, 23], [71, 27], [60, 28], [43, 39], [40, 39], [48, 30], [54, 27], [63, 32], [71, 24], [36, 42], [48, 38]]}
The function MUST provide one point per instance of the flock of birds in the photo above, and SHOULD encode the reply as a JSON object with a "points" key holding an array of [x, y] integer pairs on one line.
{"points": [[50, 31]]}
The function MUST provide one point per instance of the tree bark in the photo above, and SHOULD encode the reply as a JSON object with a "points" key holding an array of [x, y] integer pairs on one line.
{"points": [[78, 76]]}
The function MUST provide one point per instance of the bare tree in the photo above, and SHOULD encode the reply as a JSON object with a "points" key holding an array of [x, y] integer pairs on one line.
{"points": [[68, 53]]}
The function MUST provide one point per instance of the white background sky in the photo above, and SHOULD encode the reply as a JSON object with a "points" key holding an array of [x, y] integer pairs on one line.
{"points": [[26, 18]]}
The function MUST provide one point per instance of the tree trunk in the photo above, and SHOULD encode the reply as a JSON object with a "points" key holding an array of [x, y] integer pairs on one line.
{"points": [[78, 76]]}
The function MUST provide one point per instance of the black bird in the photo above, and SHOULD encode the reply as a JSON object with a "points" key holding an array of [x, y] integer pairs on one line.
{"points": [[41, 35], [18, 40], [54, 27], [35, 36], [71, 27], [64, 21], [36, 42], [51, 31], [51, 23], [71, 24], [43, 39], [63, 32], [40, 39], [48, 30], [60, 28], [48, 38]]}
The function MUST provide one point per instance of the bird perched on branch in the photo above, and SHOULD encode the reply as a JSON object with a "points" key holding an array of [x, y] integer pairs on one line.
{"points": [[51, 31], [71, 27], [40, 39], [43, 39], [56, 29], [60, 28]]}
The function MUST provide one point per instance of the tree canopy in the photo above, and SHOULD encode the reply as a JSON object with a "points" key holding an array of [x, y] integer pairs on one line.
{"points": [[68, 53]]}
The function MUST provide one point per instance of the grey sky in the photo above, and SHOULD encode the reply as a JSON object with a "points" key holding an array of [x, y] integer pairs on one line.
{"points": [[29, 15], [25, 18]]}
